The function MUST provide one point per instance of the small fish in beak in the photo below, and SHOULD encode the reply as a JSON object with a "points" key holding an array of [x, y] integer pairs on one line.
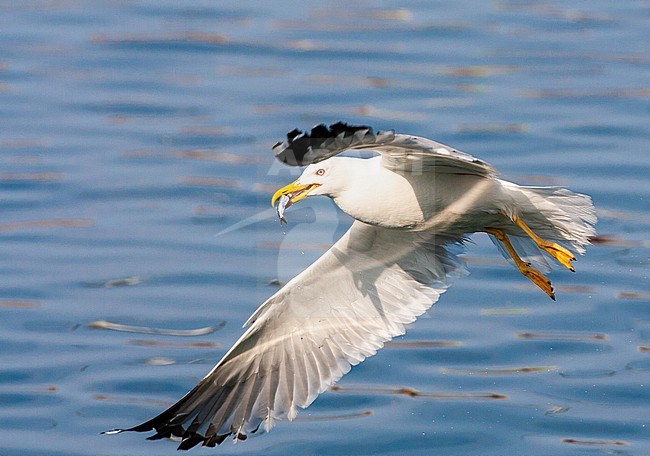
{"points": [[285, 202], [289, 195]]}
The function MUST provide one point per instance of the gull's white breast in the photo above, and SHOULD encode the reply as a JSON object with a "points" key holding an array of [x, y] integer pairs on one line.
{"points": [[447, 203]]}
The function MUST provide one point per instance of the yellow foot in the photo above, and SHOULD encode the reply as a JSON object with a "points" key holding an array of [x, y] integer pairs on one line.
{"points": [[562, 255], [525, 268], [537, 278]]}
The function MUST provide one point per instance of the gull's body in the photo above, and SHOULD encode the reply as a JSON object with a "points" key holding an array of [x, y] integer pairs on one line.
{"points": [[409, 202], [441, 203]]}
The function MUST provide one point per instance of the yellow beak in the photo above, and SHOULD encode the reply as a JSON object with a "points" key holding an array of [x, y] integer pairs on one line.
{"points": [[294, 191]]}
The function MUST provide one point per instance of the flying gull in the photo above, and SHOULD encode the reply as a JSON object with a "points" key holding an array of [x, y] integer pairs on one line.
{"points": [[411, 200]]}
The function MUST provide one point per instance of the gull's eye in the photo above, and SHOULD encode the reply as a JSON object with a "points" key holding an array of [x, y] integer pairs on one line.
{"points": [[320, 172]]}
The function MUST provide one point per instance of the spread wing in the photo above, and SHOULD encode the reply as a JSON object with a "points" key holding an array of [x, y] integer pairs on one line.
{"points": [[330, 317], [399, 152]]}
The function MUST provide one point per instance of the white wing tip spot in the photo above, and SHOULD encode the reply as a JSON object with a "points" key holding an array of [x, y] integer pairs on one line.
{"points": [[269, 422], [293, 412]]}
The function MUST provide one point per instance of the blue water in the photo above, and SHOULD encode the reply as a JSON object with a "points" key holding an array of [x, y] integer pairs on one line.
{"points": [[131, 133]]}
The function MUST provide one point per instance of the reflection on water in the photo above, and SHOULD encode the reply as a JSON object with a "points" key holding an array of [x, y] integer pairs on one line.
{"points": [[132, 133]]}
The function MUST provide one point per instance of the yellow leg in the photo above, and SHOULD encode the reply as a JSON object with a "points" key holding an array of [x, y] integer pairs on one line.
{"points": [[562, 255], [525, 268]]}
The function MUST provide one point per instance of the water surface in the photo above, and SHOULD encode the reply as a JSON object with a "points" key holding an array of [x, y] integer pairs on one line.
{"points": [[133, 132]]}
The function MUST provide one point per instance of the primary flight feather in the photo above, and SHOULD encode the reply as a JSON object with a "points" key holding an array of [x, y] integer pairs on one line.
{"points": [[410, 201]]}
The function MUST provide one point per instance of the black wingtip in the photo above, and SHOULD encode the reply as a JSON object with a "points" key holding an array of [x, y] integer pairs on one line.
{"points": [[190, 442], [303, 148]]}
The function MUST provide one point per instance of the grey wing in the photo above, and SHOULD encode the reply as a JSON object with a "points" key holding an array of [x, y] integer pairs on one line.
{"points": [[405, 153], [414, 154], [330, 317]]}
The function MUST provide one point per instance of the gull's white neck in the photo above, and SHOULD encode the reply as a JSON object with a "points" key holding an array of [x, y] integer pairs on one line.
{"points": [[375, 195]]}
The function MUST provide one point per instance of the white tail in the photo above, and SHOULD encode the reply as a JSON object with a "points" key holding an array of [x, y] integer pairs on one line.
{"points": [[553, 213]]}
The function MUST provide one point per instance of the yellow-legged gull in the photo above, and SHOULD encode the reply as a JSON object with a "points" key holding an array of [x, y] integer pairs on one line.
{"points": [[410, 200]]}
